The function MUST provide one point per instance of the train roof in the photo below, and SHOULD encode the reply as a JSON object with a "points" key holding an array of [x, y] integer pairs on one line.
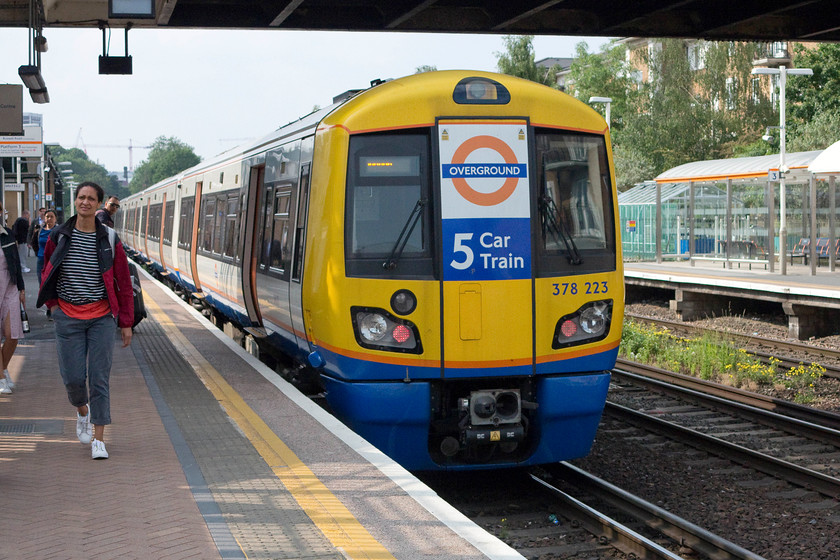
{"points": [[390, 90]]}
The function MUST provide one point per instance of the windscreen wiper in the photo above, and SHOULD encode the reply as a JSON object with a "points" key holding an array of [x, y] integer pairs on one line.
{"points": [[410, 223], [558, 228]]}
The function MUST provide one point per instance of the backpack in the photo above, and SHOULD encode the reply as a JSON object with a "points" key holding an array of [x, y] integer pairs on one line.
{"points": [[139, 304]]}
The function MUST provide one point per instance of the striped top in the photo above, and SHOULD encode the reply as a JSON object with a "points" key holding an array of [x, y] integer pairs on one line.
{"points": [[79, 278]]}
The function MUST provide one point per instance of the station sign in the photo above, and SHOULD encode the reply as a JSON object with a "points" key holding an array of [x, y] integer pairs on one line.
{"points": [[485, 200], [28, 145], [14, 187]]}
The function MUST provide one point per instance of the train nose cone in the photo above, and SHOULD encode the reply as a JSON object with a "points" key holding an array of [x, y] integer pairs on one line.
{"points": [[484, 406]]}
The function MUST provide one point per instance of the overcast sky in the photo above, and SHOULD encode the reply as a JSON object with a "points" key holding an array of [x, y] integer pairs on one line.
{"points": [[216, 89]]}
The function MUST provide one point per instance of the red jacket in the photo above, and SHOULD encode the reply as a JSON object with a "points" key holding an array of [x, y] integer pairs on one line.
{"points": [[114, 268]]}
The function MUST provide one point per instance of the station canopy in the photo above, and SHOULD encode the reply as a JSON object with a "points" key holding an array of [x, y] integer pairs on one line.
{"points": [[828, 162], [740, 169], [770, 20]]}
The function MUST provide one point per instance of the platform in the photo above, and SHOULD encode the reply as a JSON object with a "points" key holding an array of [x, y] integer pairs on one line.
{"points": [[212, 455], [810, 301]]}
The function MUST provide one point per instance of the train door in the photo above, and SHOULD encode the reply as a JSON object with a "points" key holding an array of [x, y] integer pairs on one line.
{"points": [[295, 293], [194, 240], [250, 245], [486, 247], [273, 263]]}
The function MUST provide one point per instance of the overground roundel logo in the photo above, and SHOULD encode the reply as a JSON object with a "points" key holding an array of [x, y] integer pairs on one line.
{"points": [[492, 170]]}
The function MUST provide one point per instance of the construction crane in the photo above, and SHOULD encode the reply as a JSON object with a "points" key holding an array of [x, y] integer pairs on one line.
{"points": [[130, 147], [80, 143]]}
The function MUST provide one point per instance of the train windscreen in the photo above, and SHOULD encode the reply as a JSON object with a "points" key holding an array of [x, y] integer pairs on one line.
{"points": [[388, 221], [574, 199]]}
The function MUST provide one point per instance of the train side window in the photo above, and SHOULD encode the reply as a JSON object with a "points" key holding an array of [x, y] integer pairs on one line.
{"points": [[219, 224], [185, 224], [388, 211], [169, 222], [575, 204], [208, 214], [230, 225], [279, 250]]}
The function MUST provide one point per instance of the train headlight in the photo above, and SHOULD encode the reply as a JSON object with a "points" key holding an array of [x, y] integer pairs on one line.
{"points": [[377, 329], [592, 320], [373, 327], [590, 323], [481, 91]]}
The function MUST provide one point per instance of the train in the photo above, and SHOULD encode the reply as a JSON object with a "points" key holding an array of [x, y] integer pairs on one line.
{"points": [[437, 254]]}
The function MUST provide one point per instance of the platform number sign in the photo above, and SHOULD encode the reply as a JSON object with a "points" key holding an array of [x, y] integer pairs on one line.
{"points": [[485, 200]]}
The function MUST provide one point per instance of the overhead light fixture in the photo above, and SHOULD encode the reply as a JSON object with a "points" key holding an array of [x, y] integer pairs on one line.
{"points": [[39, 95], [114, 64], [31, 76]]}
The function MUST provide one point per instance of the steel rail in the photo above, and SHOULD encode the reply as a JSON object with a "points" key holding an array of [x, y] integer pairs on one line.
{"points": [[608, 530], [779, 468], [780, 406], [680, 530]]}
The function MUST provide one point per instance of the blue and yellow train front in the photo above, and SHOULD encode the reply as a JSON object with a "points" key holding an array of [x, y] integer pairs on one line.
{"points": [[464, 293]]}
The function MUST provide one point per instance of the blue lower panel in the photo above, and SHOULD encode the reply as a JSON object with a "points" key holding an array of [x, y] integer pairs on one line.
{"points": [[568, 416], [395, 418]]}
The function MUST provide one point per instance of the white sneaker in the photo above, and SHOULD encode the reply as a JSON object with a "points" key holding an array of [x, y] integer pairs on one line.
{"points": [[84, 431], [27, 270], [97, 450], [4, 387], [9, 381]]}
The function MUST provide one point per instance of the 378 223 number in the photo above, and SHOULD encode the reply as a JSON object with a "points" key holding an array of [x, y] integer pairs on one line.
{"points": [[571, 288]]}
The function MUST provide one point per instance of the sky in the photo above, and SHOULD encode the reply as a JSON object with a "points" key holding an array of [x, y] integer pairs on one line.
{"points": [[214, 89]]}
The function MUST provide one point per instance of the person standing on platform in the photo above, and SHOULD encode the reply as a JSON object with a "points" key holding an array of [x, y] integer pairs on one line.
{"points": [[12, 295], [87, 285], [20, 229], [106, 214], [42, 234], [37, 223]]}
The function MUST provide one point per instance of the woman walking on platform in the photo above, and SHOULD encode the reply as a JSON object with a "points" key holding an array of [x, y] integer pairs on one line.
{"points": [[12, 295], [86, 285]]}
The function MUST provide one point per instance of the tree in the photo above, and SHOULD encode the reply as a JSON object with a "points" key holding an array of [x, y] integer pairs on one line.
{"points": [[425, 68], [167, 157], [606, 74], [86, 170], [686, 110], [518, 60], [813, 102]]}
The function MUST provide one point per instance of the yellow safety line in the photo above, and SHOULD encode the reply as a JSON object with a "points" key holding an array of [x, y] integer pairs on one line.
{"points": [[328, 513]]}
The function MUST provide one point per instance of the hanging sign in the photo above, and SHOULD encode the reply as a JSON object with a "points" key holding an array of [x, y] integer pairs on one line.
{"points": [[485, 200]]}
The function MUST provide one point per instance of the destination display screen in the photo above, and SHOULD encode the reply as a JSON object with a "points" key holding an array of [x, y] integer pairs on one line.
{"points": [[390, 166]]}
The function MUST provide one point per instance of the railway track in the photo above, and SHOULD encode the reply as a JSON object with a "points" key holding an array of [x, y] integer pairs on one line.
{"points": [[790, 353], [785, 440]]}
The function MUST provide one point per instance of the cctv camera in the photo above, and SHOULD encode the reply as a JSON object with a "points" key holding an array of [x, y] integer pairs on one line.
{"points": [[767, 138]]}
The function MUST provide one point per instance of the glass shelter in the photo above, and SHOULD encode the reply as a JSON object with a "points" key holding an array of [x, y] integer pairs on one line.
{"points": [[728, 211]]}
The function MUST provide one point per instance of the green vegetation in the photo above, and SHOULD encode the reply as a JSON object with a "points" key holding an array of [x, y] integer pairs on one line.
{"points": [[714, 358]]}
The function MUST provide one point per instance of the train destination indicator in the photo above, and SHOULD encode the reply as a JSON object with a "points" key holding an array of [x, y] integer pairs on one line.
{"points": [[485, 200]]}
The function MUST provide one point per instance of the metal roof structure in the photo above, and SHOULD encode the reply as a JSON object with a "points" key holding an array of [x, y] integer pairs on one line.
{"points": [[768, 20], [739, 168]]}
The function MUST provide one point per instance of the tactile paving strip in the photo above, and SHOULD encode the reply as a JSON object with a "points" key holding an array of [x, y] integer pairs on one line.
{"points": [[260, 513]]}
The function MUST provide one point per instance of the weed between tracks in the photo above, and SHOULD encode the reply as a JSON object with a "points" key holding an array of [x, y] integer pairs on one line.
{"points": [[713, 357]]}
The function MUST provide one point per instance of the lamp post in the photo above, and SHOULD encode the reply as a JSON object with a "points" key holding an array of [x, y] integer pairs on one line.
{"points": [[782, 72], [605, 100]]}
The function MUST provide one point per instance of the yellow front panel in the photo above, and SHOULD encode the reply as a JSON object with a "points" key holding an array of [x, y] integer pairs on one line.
{"points": [[504, 319]]}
